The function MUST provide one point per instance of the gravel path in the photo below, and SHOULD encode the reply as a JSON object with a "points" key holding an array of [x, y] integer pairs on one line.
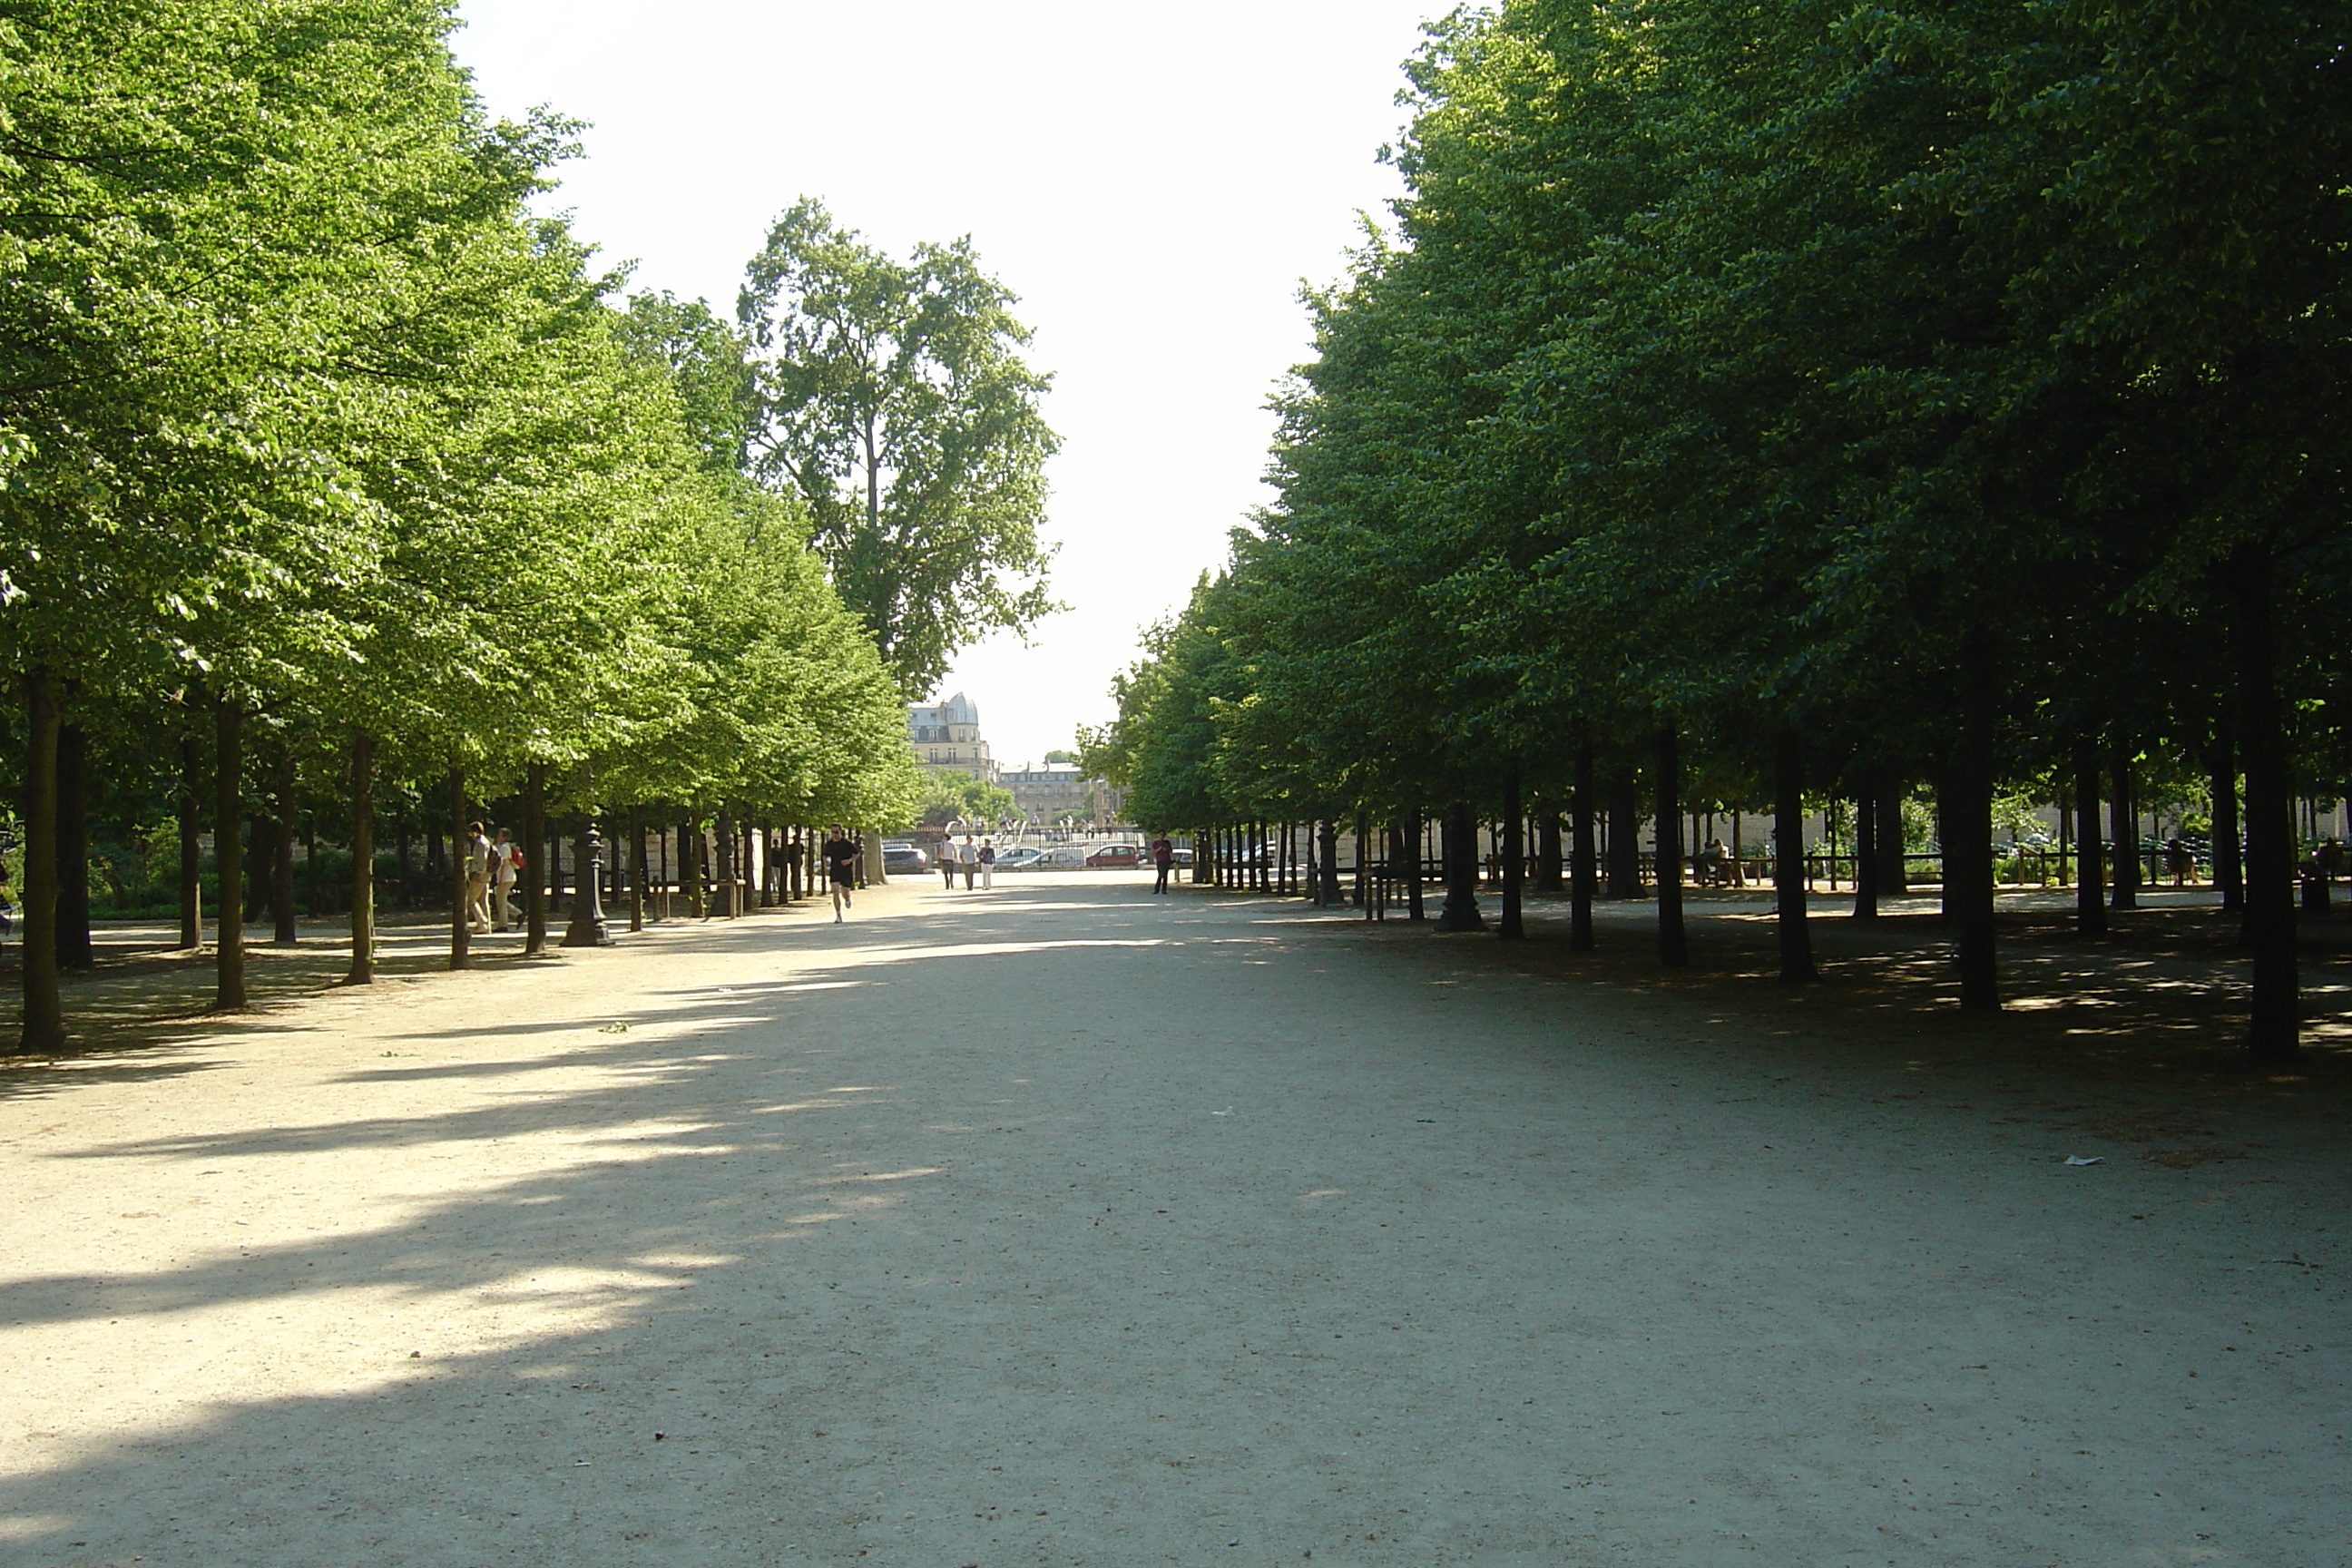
{"points": [[1067, 1225]]}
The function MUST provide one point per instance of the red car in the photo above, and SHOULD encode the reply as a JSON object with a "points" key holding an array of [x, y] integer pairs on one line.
{"points": [[1116, 854]]}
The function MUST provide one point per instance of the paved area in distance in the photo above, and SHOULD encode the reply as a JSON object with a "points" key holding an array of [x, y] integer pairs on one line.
{"points": [[1067, 1225]]}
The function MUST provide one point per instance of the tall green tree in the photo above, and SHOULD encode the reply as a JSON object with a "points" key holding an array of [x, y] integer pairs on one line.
{"points": [[891, 396]]}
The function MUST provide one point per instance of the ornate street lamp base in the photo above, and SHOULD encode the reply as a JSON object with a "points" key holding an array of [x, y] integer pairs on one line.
{"points": [[588, 928]]}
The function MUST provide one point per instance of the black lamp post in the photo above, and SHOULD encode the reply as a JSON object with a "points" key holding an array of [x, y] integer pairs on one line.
{"points": [[588, 928]]}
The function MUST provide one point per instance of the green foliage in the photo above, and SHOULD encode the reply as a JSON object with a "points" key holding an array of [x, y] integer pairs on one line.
{"points": [[340, 436], [953, 797], [704, 359], [1733, 369], [889, 397]]}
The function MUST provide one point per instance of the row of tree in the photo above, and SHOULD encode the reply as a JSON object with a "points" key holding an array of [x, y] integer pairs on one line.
{"points": [[322, 457], [1759, 401]]}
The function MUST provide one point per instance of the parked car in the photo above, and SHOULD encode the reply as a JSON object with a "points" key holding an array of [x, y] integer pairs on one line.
{"points": [[1111, 854], [898, 855], [1020, 858]]}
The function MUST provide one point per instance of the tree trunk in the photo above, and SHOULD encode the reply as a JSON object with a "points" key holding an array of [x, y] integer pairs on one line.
{"points": [[75, 949], [228, 854], [1581, 868], [282, 866], [636, 869], [363, 969], [2123, 822], [1459, 839], [1416, 833], [1624, 836], [534, 873], [1789, 858], [2274, 1026], [1966, 811], [1512, 927], [461, 854], [689, 868], [1673, 949], [1550, 861], [555, 905], [725, 897], [2229, 870], [192, 853], [1865, 858], [2090, 855], [45, 1025], [1893, 875]]}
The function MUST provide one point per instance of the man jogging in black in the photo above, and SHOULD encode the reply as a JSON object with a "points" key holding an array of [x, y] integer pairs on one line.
{"points": [[840, 869]]}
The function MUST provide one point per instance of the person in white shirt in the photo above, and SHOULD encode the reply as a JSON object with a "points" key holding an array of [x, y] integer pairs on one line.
{"points": [[967, 861], [505, 870], [477, 882]]}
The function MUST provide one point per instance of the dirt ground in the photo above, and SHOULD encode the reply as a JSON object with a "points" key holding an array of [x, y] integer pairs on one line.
{"points": [[1066, 1224]]}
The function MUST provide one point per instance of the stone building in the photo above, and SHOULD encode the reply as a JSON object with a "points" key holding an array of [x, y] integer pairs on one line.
{"points": [[1048, 793], [947, 738]]}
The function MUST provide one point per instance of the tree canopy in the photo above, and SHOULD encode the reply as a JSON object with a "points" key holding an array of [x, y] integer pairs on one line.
{"points": [[1927, 394], [890, 397], [314, 439]]}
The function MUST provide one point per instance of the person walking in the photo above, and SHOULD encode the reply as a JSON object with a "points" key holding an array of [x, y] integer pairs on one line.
{"points": [[1163, 856], [506, 865], [477, 882], [841, 867], [987, 865], [968, 861], [948, 859]]}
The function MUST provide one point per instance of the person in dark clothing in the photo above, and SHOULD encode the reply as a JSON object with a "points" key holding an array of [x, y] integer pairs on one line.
{"points": [[1164, 856], [840, 869]]}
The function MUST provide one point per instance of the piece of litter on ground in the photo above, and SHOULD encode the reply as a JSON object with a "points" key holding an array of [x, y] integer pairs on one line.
{"points": [[613, 1029], [2094, 1160], [1228, 1111]]}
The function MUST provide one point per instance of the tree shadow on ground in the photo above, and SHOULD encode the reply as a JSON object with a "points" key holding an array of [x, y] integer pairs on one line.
{"points": [[2160, 998], [675, 1258], [673, 1320]]}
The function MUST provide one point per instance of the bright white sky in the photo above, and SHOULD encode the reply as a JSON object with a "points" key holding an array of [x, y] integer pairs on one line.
{"points": [[1154, 181]]}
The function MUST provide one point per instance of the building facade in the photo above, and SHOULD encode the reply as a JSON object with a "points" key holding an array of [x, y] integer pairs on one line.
{"points": [[947, 738], [1057, 790]]}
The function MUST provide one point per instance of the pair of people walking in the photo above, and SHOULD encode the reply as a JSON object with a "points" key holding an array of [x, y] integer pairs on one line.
{"points": [[493, 865]]}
